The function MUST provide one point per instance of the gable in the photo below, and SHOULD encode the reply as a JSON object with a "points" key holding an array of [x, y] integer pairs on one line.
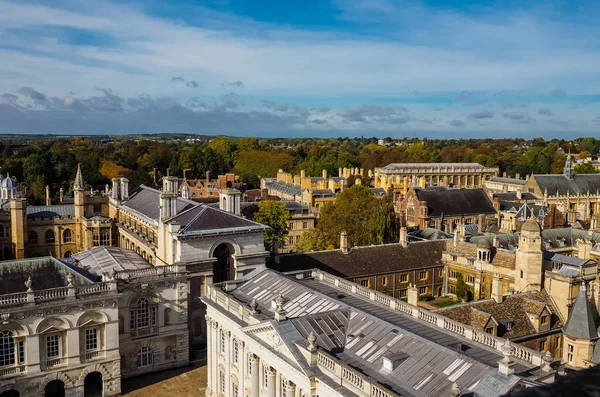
{"points": [[279, 336]]}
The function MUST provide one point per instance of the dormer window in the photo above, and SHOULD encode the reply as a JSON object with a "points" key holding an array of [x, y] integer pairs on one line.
{"points": [[544, 320]]}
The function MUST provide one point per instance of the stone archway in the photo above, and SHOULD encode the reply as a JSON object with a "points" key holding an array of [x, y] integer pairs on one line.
{"points": [[55, 388], [223, 268], [92, 385]]}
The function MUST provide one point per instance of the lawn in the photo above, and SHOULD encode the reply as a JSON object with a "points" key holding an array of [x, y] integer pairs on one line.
{"points": [[444, 303]]}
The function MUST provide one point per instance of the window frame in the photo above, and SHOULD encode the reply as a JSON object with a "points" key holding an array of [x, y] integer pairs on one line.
{"points": [[145, 357], [49, 236]]}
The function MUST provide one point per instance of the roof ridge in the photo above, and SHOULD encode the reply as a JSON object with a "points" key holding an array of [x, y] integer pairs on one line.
{"points": [[202, 210]]}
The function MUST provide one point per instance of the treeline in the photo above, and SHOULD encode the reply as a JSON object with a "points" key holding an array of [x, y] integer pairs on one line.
{"points": [[53, 161]]}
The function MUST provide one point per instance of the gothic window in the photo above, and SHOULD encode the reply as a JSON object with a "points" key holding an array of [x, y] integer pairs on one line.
{"points": [[7, 348], [96, 238], [143, 315], [33, 237], [97, 209], [410, 214], [470, 278], [145, 357], [49, 236], [67, 236], [105, 237]]}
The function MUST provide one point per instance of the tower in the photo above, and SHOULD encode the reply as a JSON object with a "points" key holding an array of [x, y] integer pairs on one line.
{"points": [[79, 195], [18, 226], [229, 200], [580, 333], [568, 171], [168, 198], [529, 258]]}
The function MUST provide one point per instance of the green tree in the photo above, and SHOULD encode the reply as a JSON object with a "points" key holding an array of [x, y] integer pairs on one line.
{"points": [[585, 168], [274, 215], [462, 289], [312, 240]]}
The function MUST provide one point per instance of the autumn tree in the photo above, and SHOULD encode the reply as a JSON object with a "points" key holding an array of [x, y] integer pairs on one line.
{"points": [[273, 214], [111, 170], [585, 168]]}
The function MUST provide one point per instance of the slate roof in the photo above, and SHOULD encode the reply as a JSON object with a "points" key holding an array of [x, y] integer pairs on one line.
{"points": [[45, 272], [99, 260], [437, 166], [514, 308], [363, 261], [580, 324], [287, 188], [429, 233], [146, 201], [378, 191], [500, 257], [361, 333], [508, 180], [512, 196], [451, 202], [50, 211], [559, 183], [206, 218]]}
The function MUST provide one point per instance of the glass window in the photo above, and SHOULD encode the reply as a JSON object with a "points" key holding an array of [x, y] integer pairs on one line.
{"points": [[105, 237], [265, 376], [33, 237], [222, 342], [49, 237], [402, 293], [283, 387], [422, 275], [52, 346], [364, 283], [96, 238], [222, 381], [143, 315], [91, 339], [470, 279], [544, 320], [489, 330], [384, 281], [236, 352], [236, 389], [67, 236], [145, 357], [403, 278], [249, 364], [97, 209], [304, 225], [7, 348], [422, 290]]}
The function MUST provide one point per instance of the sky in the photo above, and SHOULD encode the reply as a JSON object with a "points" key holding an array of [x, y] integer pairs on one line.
{"points": [[273, 68]]}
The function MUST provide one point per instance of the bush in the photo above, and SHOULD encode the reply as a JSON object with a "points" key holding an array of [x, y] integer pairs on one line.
{"points": [[426, 297]]}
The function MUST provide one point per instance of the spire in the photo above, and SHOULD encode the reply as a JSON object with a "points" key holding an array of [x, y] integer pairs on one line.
{"points": [[580, 324], [79, 185], [568, 171]]}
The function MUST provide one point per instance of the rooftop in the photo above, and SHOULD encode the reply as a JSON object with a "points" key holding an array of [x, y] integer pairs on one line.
{"points": [[50, 211], [451, 202], [99, 260], [435, 166], [559, 184]]}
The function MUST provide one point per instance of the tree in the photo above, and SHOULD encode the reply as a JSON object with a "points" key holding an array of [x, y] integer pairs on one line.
{"points": [[585, 168], [462, 289], [112, 170], [366, 219], [312, 240], [584, 155], [273, 214]]}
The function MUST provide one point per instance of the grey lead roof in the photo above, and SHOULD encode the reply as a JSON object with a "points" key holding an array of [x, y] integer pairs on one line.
{"points": [[146, 201], [508, 180], [581, 324], [204, 217], [50, 211], [99, 260], [362, 333], [559, 183]]}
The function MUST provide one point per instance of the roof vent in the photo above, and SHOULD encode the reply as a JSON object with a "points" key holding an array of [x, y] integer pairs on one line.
{"points": [[393, 361]]}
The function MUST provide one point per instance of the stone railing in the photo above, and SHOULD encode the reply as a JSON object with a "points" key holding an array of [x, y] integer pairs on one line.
{"points": [[55, 362], [57, 294], [436, 320], [151, 272], [91, 355], [354, 380], [140, 332], [11, 371]]}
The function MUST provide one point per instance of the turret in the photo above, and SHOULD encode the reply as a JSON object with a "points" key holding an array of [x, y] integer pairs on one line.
{"points": [[18, 226], [580, 333], [229, 200], [79, 194], [568, 171], [528, 261]]}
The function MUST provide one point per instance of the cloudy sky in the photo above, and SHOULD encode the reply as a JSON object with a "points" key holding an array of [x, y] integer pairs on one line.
{"points": [[438, 68]]}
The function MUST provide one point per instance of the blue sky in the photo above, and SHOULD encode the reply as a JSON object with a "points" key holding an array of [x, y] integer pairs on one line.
{"points": [[301, 68]]}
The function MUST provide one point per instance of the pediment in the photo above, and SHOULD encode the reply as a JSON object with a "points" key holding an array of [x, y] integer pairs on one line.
{"points": [[278, 336]]}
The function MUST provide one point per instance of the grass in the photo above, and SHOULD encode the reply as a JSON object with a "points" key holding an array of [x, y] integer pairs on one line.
{"points": [[444, 303]]}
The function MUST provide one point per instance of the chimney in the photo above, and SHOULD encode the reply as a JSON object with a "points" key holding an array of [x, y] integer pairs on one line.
{"points": [[403, 237], [584, 249], [124, 189], [340, 172], [497, 292], [324, 174], [61, 193], [344, 242], [504, 174], [412, 295], [517, 176], [48, 195], [495, 241], [207, 176], [185, 174], [115, 189], [302, 174], [155, 175]]}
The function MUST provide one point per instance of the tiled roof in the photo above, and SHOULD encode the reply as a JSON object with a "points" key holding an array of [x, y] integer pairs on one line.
{"points": [[581, 324], [455, 166], [451, 202], [146, 201], [559, 183], [50, 211], [500, 257], [362, 261], [204, 218], [99, 260], [514, 308]]}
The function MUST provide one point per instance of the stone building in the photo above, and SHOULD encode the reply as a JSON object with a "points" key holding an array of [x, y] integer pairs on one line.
{"points": [[405, 175], [53, 229], [203, 189], [314, 334], [75, 328], [388, 268], [301, 220], [445, 209]]}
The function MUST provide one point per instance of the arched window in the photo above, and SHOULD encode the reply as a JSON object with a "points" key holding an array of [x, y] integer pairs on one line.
{"points": [[144, 357], [67, 237], [105, 237], [143, 315], [49, 236], [33, 237], [168, 315], [7, 349]]}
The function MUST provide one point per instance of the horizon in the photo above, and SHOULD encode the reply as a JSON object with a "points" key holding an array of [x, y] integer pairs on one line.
{"points": [[438, 69]]}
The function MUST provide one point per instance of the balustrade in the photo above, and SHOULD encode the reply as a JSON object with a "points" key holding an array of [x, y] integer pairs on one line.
{"points": [[13, 299], [52, 293], [55, 362], [139, 332], [12, 371]]}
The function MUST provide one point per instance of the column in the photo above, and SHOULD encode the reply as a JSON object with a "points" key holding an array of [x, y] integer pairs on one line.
{"points": [[210, 353], [254, 377], [271, 383], [214, 341]]}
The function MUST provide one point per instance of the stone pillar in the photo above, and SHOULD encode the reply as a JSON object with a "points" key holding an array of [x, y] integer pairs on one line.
{"points": [[271, 383], [254, 377], [497, 293], [290, 389], [210, 354], [413, 295]]}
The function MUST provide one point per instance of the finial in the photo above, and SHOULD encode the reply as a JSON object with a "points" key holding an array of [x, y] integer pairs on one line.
{"points": [[508, 349], [70, 279], [455, 390], [253, 306], [280, 300], [548, 360], [28, 284], [312, 338]]}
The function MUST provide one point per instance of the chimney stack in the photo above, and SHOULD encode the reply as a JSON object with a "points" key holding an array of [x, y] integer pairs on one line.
{"points": [[48, 195], [497, 292], [207, 177], [412, 295], [61, 193], [584, 249], [403, 237], [344, 242]]}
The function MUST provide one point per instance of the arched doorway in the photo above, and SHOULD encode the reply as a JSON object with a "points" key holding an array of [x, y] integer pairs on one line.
{"points": [[68, 254], [56, 388], [223, 268], [92, 385], [10, 393]]}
